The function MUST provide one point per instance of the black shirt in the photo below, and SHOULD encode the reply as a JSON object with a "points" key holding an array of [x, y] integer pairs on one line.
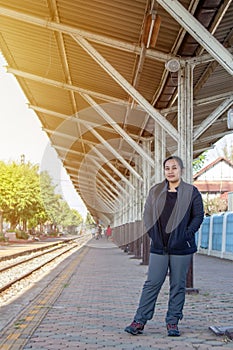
{"points": [[164, 217]]}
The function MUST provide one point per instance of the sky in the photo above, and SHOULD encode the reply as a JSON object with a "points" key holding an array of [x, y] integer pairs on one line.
{"points": [[22, 134]]}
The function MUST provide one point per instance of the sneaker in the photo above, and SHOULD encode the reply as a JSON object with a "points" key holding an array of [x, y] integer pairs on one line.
{"points": [[172, 330], [135, 328]]}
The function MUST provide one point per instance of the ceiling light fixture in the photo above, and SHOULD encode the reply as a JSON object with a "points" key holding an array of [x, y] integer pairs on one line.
{"points": [[172, 65]]}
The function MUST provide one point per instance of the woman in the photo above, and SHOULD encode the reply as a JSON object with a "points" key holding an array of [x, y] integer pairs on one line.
{"points": [[173, 213]]}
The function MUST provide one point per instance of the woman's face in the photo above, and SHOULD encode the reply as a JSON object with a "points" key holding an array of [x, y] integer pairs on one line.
{"points": [[172, 171]]}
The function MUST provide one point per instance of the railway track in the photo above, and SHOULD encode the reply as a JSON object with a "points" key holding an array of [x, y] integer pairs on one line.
{"points": [[16, 271]]}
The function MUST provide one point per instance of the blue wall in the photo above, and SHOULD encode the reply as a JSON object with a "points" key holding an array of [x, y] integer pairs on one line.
{"points": [[216, 233]]}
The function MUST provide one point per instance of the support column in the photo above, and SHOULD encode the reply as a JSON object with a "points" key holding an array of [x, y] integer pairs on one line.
{"points": [[159, 152], [121, 216], [185, 119], [146, 173], [185, 144], [138, 186]]}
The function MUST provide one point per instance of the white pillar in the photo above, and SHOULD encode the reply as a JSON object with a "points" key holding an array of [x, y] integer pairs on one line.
{"points": [[138, 186], [159, 152], [185, 119], [146, 171]]}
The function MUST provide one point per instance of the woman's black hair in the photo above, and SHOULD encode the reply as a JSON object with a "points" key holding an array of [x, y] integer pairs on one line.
{"points": [[178, 159]]}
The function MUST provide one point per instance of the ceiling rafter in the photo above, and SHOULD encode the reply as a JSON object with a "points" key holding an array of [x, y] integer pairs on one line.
{"points": [[174, 50], [62, 85], [127, 86], [202, 35], [118, 129], [103, 179], [224, 106], [100, 39]]}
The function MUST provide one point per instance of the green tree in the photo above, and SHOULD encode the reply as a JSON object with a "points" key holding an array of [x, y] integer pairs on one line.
{"points": [[69, 219], [50, 198], [76, 218], [89, 219], [20, 197], [57, 210], [29, 197], [199, 162]]}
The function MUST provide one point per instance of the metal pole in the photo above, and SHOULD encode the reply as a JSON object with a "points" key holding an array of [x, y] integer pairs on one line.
{"points": [[185, 145], [146, 186]]}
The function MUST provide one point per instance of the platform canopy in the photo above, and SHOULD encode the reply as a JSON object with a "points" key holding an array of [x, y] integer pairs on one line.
{"points": [[102, 75]]}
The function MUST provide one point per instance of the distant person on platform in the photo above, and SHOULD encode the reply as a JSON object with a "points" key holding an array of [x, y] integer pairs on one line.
{"points": [[99, 232], [93, 231], [173, 214], [108, 232]]}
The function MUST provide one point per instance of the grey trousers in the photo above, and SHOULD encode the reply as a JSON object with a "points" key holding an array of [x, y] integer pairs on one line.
{"points": [[159, 265]]}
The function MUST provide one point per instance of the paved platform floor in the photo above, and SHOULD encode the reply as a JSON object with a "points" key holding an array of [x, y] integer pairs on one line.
{"points": [[101, 296]]}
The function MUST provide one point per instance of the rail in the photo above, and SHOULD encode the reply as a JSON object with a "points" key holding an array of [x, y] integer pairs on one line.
{"points": [[17, 271]]}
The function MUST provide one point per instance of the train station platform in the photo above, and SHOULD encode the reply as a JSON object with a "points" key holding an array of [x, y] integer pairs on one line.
{"points": [[86, 302]]}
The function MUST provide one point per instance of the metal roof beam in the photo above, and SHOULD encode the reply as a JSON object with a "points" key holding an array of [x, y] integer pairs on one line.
{"points": [[225, 105], [217, 20], [115, 153], [106, 189], [92, 168], [169, 128], [216, 137], [104, 198], [201, 150], [77, 119], [205, 58], [102, 204], [101, 169], [118, 129], [111, 166], [104, 143], [60, 134], [67, 29], [198, 32], [96, 160], [91, 157], [85, 189], [114, 181], [199, 102], [68, 150], [68, 136], [62, 50], [65, 86], [102, 178]]}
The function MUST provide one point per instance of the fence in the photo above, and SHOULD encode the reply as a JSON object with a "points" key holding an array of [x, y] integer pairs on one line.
{"points": [[215, 237]]}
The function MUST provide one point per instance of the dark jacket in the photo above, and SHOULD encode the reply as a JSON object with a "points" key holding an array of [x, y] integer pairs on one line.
{"points": [[183, 223]]}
